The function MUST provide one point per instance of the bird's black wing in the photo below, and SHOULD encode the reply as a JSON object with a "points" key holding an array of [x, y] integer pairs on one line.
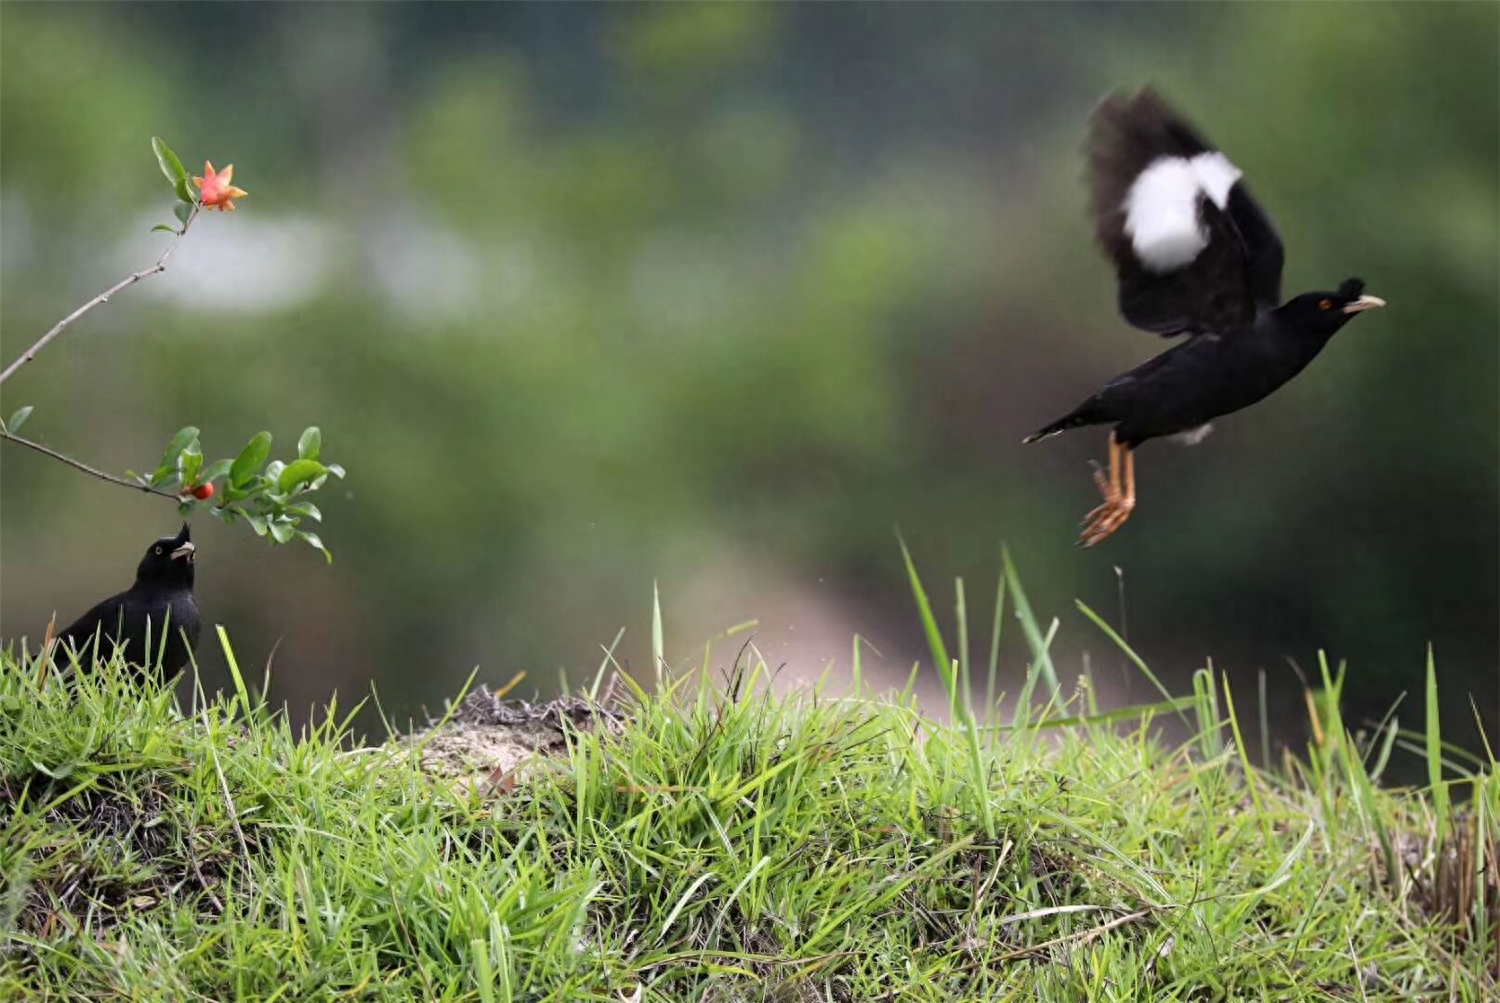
{"points": [[1192, 249], [108, 615]]}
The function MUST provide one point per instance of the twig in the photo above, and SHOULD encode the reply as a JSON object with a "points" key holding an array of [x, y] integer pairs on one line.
{"points": [[122, 482], [130, 280], [1081, 935], [198, 872]]}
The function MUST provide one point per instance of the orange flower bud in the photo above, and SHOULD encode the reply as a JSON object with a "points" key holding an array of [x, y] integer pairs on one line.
{"points": [[215, 191]]}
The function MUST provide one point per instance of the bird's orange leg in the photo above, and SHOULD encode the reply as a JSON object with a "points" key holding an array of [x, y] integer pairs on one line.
{"points": [[1119, 500], [1108, 488]]}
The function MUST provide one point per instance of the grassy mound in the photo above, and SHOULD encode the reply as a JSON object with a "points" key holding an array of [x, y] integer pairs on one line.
{"points": [[723, 844]]}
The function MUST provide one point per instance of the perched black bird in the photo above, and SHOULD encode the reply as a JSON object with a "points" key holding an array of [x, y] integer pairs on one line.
{"points": [[1196, 256], [160, 600]]}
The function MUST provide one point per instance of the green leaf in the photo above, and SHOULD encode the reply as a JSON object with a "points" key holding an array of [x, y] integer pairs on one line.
{"points": [[171, 167], [192, 462], [256, 520], [297, 473], [183, 210], [282, 531], [18, 418], [215, 470], [313, 539], [251, 457], [185, 506], [162, 227], [336, 470], [310, 443], [176, 446], [308, 509]]}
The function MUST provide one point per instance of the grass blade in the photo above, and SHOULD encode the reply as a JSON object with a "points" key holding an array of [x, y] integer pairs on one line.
{"points": [[1435, 752], [1039, 653], [658, 645], [935, 643], [1139, 663], [961, 615], [994, 664], [234, 671]]}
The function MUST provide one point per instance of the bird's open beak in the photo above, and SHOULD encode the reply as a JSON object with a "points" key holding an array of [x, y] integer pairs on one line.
{"points": [[186, 550], [1364, 303]]}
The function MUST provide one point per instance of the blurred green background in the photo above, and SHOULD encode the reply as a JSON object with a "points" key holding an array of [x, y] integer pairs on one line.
{"points": [[717, 295]]}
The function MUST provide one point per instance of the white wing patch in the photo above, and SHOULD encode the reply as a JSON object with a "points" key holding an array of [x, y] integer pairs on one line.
{"points": [[1193, 436], [1217, 174], [1161, 210]]}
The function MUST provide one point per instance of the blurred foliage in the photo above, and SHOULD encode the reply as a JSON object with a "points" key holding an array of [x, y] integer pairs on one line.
{"points": [[598, 295]]}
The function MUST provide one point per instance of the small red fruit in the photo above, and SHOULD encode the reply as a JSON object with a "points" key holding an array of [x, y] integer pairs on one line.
{"points": [[204, 491]]}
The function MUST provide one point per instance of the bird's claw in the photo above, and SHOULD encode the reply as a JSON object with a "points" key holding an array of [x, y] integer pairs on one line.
{"points": [[1094, 514], [1107, 516], [1105, 519]]}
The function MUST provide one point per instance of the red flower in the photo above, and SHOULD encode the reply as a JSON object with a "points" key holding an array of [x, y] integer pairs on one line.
{"points": [[215, 191]]}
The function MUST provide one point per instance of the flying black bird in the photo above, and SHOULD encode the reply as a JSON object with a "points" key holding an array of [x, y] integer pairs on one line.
{"points": [[1196, 256], [161, 600]]}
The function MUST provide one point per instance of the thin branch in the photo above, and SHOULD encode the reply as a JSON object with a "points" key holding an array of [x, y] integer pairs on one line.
{"points": [[76, 465], [1081, 935], [198, 872], [130, 280]]}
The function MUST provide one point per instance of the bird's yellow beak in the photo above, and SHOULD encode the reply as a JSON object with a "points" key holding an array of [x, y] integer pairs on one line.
{"points": [[186, 550], [1364, 303]]}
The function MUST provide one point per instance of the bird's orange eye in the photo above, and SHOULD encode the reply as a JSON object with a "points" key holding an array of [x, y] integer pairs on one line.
{"points": [[158, 550], [1325, 304]]}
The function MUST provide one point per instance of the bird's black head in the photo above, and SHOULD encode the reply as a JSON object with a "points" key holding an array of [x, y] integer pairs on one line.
{"points": [[168, 561], [1323, 313]]}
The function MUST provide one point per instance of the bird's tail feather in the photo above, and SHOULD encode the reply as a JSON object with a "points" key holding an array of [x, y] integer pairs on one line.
{"points": [[1076, 419]]}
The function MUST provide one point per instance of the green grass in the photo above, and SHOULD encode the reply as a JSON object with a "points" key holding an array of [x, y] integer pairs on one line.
{"points": [[730, 844]]}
